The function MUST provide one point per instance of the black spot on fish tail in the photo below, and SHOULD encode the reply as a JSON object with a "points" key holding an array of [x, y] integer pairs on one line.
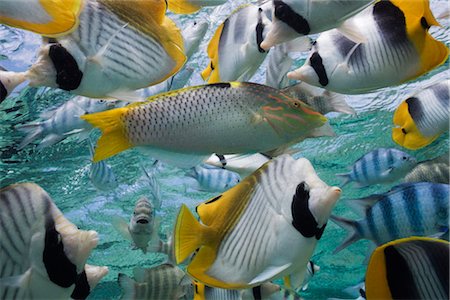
{"points": [[391, 22], [399, 277], [303, 219], [68, 75], [82, 288], [415, 108], [317, 65], [220, 85], [259, 32], [286, 14], [60, 269], [3, 92], [257, 292], [424, 23]]}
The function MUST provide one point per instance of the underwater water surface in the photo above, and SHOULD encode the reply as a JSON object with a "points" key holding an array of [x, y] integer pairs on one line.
{"points": [[63, 169]]}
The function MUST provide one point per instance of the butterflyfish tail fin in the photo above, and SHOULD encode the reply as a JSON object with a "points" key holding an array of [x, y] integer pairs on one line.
{"points": [[113, 139], [189, 234]]}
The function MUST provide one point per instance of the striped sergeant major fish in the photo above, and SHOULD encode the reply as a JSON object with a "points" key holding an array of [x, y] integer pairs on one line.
{"points": [[263, 291], [177, 127], [59, 123], [43, 254], [423, 117], [101, 174], [45, 17], [406, 210], [163, 282], [436, 170], [409, 268], [234, 50], [212, 179], [292, 18], [116, 49], [142, 229], [382, 165], [398, 48], [274, 216]]}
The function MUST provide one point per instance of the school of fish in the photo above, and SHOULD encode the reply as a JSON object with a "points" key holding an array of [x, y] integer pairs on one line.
{"points": [[129, 66]]}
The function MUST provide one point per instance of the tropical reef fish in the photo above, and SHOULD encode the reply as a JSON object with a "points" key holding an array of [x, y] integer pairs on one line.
{"points": [[234, 49], [193, 35], [311, 270], [45, 17], [59, 123], [116, 49], [101, 174], [191, 6], [321, 100], [357, 291], [410, 268], [143, 227], [382, 165], [282, 208], [155, 187], [435, 170], [263, 291], [423, 117], [185, 127], [243, 164], [88, 280], [398, 48], [293, 18], [406, 210], [213, 179], [43, 253], [163, 282]]}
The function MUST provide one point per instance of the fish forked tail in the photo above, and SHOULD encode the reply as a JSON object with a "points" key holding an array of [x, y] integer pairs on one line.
{"points": [[128, 286], [348, 225], [33, 132], [113, 139], [9, 81]]}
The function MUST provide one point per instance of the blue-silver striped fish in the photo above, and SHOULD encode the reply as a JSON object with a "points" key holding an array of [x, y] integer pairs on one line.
{"points": [[382, 165], [43, 255], [436, 170], [408, 209], [63, 121], [212, 179], [101, 174]]}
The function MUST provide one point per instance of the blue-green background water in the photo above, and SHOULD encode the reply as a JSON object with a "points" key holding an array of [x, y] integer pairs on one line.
{"points": [[62, 170]]}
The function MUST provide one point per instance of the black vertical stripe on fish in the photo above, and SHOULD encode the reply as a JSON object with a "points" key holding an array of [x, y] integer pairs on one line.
{"points": [[222, 159], [259, 31], [10, 212], [256, 291], [60, 269], [286, 14], [82, 288], [303, 219], [386, 212], [311, 265], [399, 276], [68, 75], [343, 44], [372, 227], [411, 204], [415, 109], [390, 21], [424, 23], [317, 65], [4, 92], [441, 93]]}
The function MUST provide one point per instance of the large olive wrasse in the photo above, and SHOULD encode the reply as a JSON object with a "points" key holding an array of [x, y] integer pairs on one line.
{"points": [[423, 117], [264, 228], [43, 253], [186, 126], [398, 48]]}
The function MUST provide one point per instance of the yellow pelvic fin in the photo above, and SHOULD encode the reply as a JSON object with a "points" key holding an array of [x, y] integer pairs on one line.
{"points": [[189, 234], [63, 15], [182, 6], [407, 134], [113, 139]]}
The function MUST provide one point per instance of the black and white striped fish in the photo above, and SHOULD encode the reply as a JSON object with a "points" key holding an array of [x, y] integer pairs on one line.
{"points": [[59, 123], [163, 282], [382, 165], [43, 254], [398, 48], [101, 174], [436, 170], [410, 268], [116, 49]]}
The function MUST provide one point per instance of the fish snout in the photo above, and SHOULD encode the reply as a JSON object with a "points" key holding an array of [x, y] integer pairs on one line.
{"points": [[142, 221]]}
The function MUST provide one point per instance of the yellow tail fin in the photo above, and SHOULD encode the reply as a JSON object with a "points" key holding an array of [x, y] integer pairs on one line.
{"points": [[113, 139], [189, 234], [182, 7]]}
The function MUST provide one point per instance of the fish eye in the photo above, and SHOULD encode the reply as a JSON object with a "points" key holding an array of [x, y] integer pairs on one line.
{"points": [[404, 157], [296, 104], [102, 101]]}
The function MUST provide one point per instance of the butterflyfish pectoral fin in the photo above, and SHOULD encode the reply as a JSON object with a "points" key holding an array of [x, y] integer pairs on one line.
{"points": [[50, 18]]}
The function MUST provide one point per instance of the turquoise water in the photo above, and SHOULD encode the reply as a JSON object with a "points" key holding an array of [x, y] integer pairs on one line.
{"points": [[62, 170]]}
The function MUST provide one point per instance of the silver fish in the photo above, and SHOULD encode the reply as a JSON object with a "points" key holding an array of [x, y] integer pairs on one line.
{"points": [[213, 179], [101, 174], [435, 170]]}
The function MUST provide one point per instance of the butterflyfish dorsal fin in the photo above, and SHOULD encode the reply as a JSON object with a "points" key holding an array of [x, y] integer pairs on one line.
{"points": [[50, 18], [182, 6], [213, 54]]}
